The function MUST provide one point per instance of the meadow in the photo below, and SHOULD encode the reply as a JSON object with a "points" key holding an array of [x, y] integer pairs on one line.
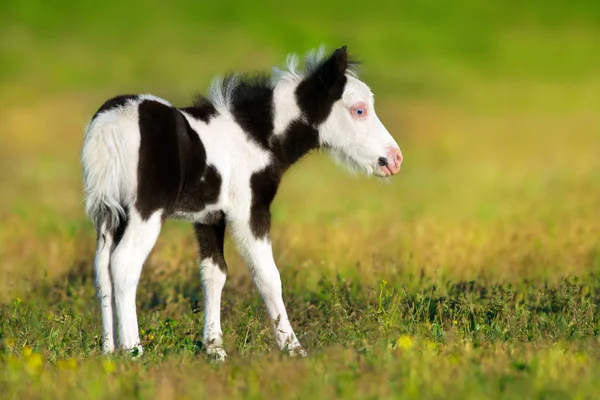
{"points": [[474, 273]]}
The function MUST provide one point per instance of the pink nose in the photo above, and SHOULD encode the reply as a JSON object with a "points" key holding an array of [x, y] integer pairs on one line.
{"points": [[394, 156], [397, 158], [390, 165]]}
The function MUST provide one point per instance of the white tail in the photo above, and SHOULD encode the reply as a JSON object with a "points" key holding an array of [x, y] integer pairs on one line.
{"points": [[109, 159]]}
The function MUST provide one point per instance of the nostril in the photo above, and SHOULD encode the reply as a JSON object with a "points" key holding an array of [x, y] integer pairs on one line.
{"points": [[382, 161], [398, 158]]}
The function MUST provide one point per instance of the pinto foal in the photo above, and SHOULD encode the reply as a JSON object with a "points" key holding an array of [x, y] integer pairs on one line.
{"points": [[218, 162]]}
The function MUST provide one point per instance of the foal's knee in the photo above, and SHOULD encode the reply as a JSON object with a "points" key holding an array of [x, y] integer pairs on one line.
{"points": [[212, 273]]}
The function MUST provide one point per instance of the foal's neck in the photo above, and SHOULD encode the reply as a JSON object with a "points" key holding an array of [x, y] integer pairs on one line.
{"points": [[292, 136]]}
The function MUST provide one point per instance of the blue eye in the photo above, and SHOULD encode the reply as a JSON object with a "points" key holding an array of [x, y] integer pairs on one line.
{"points": [[359, 110]]}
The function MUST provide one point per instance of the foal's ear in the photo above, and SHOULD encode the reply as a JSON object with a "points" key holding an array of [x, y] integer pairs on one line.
{"points": [[340, 57], [339, 60], [336, 64], [332, 72]]}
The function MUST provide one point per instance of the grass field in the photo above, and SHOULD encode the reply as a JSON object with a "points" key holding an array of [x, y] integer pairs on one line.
{"points": [[473, 274]]}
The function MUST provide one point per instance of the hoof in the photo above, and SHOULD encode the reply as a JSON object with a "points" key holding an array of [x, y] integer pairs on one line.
{"points": [[135, 352], [297, 351], [216, 354]]}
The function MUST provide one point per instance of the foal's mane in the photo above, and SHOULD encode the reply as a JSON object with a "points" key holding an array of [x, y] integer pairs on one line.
{"points": [[247, 87]]}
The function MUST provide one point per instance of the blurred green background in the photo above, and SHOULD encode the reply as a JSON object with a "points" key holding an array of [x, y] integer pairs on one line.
{"points": [[427, 47]]}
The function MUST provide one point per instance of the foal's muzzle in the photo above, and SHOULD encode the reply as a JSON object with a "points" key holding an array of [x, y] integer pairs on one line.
{"points": [[390, 165]]}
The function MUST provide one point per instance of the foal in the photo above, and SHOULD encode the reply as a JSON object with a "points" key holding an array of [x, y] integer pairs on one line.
{"points": [[218, 162]]}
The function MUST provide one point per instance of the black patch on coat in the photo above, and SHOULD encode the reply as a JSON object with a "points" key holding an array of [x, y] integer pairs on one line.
{"points": [[298, 139], [201, 109], [252, 105], [117, 231], [115, 102], [159, 168], [264, 185], [120, 229], [199, 189], [200, 184], [210, 241], [104, 220], [317, 93], [172, 170]]}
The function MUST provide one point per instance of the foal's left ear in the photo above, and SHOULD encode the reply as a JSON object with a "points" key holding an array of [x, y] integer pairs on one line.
{"points": [[340, 57], [332, 74]]}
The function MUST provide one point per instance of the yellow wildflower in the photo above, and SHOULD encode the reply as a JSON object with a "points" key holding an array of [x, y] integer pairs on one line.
{"points": [[27, 351], [405, 342], [70, 364], [34, 363], [109, 366]]}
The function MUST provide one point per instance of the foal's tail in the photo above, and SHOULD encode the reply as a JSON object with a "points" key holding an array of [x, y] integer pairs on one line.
{"points": [[109, 167]]}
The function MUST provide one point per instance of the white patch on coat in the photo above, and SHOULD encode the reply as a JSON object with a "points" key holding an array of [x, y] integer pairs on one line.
{"points": [[235, 156], [207, 215], [285, 106]]}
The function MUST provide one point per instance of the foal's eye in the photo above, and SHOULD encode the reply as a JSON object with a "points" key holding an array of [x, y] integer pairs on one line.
{"points": [[359, 110]]}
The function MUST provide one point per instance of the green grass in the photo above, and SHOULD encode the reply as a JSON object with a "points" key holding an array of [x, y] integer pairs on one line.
{"points": [[416, 339], [472, 274]]}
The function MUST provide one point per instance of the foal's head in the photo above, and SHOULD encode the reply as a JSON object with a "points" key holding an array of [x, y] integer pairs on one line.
{"points": [[343, 108]]}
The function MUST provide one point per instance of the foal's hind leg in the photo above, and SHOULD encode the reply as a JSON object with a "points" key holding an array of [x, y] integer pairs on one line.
{"points": [[212, 274], [104, 289], [126, 267]]}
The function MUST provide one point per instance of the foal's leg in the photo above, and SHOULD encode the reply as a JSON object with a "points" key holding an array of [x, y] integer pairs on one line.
{"points": [[126, 267], [258, 254], [104, 289], [212, 274]]}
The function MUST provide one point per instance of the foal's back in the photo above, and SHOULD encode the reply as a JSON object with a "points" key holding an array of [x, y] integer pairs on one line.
{"points": [[189, 163]]}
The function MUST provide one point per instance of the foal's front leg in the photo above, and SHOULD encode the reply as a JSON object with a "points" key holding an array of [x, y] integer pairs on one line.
{"points": [[212, 274], [257, 251]]}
